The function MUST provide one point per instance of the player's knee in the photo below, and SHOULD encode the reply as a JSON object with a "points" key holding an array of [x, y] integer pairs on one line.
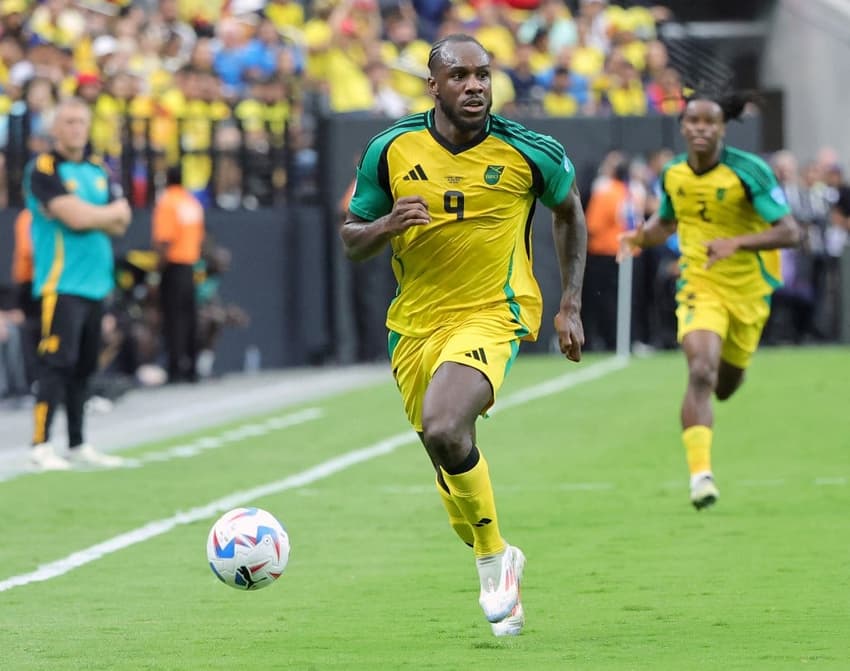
{"points": [[702, 374], [444, 437]]}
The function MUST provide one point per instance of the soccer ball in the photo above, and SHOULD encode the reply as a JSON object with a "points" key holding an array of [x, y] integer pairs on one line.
{"points": [[248, 548]]}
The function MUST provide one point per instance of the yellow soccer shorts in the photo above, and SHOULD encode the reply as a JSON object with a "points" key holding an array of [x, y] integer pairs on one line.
{"points": [[487, 341], [738, 321]]}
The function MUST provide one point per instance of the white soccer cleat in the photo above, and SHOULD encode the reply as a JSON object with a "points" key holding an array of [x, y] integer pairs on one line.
{"points": [[497, 600], [43, 457], [86, 454], [512, 625], [704, 492]]}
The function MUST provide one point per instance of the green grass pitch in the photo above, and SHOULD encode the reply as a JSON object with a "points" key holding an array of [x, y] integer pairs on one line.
{"points": [[591, 482]]}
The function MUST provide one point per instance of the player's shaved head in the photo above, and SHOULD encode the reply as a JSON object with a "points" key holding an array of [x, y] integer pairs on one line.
{"points": [[443, 55]]}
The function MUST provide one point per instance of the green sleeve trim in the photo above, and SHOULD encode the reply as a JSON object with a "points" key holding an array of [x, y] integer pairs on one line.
{"points": [[513, 304], [666, 210], [393, 340], [552, 170], [763, 191], [773, 282], [372, 197]]}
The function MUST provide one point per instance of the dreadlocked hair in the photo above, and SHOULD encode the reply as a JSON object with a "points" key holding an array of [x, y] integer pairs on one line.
{"points": [[436, 56], [732, 103]]}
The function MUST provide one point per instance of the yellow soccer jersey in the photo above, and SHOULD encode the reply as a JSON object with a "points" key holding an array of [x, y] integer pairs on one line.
{"points": [[476, 251], [738, 196]]}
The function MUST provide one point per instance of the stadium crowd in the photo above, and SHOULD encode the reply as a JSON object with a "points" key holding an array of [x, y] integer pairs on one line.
{"points": [[181, 80]]}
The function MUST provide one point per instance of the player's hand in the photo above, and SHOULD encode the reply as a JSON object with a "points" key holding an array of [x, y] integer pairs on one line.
{"points": [[408, 211], [720, 249], [570, 333], [630, 243]]}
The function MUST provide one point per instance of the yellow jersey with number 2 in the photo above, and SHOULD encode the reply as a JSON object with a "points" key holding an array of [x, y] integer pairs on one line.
{"points": [[737, 196]]}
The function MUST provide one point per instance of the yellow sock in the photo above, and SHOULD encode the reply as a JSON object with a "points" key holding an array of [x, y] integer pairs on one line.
{"points": [[473, 495], [456, 519], [697, 440]]}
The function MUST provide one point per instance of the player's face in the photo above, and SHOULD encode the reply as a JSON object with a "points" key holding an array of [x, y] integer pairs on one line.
{"points": [[702, 126], [71, 127], [461, 86]]}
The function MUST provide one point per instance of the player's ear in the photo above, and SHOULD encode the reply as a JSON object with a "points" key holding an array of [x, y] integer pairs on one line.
{"points": [[432, 86]]}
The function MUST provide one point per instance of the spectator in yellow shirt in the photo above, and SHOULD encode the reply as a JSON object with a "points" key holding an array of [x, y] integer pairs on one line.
{"points": [[285, 13], [588, 59], [626, 96], [558, 101]]}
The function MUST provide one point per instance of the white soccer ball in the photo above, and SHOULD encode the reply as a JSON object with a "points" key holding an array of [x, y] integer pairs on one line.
{"points": [[248, 548]]}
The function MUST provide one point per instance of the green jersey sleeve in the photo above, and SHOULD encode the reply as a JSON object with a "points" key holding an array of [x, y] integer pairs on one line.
{"points": [[555, 168], [766, 195], [372, 198], [553, 173], [558, 180]]}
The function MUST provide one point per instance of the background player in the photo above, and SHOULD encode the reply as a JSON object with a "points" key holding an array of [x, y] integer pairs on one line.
{"points": [[453, 191], [729, 211]]}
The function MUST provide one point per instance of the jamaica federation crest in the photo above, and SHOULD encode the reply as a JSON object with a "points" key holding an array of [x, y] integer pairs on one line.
{"points": [[493, 174]]}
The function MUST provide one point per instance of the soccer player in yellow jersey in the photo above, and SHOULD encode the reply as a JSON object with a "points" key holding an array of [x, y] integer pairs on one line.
{"points": [[453, 190], [731, 218]]}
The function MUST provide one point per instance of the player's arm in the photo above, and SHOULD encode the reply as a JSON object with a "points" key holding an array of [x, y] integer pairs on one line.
{"points": [[768, 201], [48, 189], [75, 213], [570, 232], [112, 218], [363, 239], [654, 231], [374, 215], [784, 232]]}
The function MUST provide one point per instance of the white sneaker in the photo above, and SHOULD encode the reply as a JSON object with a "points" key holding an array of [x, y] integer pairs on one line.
{"points": [[704, 492], [498, 600], [44, 457], [512, 625], [86, 454]]}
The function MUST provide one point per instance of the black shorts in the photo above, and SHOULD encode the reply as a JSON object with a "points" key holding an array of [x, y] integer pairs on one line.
{"points": [[70, 332]]}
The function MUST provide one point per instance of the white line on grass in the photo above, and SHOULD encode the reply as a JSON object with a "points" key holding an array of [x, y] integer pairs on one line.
{"points": [[239, 433], [830, 482], [779, 482], [318, 472]]}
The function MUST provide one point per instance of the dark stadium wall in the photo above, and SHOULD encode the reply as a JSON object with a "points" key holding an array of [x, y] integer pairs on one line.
{"points": [[278, 275]]}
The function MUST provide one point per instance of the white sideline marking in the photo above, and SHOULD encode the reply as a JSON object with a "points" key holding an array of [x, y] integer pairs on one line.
{"points": [[762, 483], [318, 472], [212, 442], [587, 486], [827, 482]]}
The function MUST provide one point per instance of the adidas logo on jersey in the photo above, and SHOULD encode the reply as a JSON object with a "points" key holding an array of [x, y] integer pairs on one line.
{"points": [[416, 173], [478, 355]]}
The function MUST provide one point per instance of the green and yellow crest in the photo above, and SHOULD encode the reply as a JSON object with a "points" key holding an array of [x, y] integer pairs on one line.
{"points": [[493, 173], [721, 193]]}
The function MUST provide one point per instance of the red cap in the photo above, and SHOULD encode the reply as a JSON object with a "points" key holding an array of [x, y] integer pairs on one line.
{"points": [[84, 78]]}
